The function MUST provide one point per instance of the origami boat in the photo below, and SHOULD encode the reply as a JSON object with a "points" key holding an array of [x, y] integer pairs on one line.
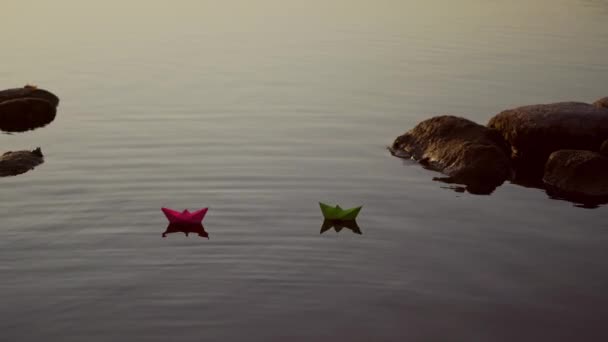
{"points": [[337, 213], [185, 216]]}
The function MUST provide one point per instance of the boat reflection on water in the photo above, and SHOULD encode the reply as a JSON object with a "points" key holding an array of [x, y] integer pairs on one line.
{"points": [[338, 225], [186, 228]]}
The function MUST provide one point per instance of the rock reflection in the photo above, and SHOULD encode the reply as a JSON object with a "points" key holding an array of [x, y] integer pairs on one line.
{"points": [[186, 228], [338, 225]]}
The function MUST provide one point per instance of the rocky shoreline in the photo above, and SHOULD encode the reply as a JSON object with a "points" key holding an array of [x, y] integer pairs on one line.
{"points": [[561, 147]]}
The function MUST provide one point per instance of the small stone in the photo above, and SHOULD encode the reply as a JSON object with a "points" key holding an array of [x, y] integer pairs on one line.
{"points": [[18, 162]]}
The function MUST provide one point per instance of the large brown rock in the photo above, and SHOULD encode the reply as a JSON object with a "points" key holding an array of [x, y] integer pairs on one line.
{"points": [[18, 162], [466, 152], [29, 92], [534, 132], [602, 103], [27, 108], [577, 175]]}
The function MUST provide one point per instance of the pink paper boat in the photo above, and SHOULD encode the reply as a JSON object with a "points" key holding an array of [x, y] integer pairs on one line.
{"points": [[185, 216]]}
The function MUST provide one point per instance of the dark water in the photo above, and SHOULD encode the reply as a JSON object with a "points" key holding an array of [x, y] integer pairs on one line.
{"points": [[260, 110]]}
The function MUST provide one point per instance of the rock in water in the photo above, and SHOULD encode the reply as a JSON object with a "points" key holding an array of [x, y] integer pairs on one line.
{"points": [[27, 108], [577, 175], [18, 162], [534, 132], [468, 153], [30, 92]]}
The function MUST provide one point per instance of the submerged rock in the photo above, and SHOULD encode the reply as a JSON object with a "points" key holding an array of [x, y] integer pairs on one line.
{"points": [[27, 108], [18, 162], [534, 132], [468, 153], [577, 175]]}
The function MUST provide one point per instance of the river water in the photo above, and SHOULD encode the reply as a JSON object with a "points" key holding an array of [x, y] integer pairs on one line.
{"points": [[259, 110]]}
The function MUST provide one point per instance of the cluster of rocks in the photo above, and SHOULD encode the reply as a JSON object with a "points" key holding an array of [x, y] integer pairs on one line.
{"points": [[24, 109], [562, 147]]}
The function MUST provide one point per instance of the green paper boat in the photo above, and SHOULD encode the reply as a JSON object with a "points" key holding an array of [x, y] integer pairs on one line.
{"points": [[337, 213]]}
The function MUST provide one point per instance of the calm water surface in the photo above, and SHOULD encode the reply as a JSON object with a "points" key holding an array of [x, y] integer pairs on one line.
{"points": [[259, 110]]}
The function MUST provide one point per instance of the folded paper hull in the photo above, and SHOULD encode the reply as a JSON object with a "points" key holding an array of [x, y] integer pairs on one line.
{"points": [[337, 213], [185, 216]]}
